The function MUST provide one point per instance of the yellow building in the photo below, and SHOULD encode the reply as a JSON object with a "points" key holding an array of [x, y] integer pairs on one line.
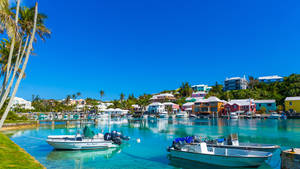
{"points": [[292, 103]]}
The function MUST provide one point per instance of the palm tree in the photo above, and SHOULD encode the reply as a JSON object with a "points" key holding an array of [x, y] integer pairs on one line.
{"points": [[101, 93], [28, 52], [78, 94], [26, 24], [26, 18], [68, 99], [122, 96]]}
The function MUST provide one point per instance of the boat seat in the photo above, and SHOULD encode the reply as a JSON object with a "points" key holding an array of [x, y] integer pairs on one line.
{"points": [[203, 148]]}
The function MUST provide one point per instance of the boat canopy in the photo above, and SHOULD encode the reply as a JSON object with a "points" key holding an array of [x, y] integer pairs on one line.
{"points": [[88, 133]]}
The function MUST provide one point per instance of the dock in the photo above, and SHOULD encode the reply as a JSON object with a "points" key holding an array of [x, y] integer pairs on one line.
{"points": [[290, 159]]}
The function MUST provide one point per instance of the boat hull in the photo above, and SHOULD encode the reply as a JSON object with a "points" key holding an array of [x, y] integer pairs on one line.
{"points": [[77, 145], [245, 147], [229, 161]]}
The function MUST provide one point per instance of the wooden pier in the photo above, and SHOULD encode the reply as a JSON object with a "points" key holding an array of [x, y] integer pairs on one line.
{"points": [[290, 159]]}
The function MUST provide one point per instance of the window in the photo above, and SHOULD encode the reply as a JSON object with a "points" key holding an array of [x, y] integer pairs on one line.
{"points": [[259, 105], [269, 104], [291, 103]]}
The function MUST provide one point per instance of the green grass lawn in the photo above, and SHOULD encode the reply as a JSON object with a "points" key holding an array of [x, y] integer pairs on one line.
{"points": [[12, 156]]}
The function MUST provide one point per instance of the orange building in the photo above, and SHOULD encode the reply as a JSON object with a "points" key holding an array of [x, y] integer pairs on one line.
{"points": [[212, 105]]}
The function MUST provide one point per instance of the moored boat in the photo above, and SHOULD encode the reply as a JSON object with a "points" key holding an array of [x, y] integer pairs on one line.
{"points": [[182, 114], [233, 143], [217, 156], [233, 115], [274, 116], [163, 114], [89, 140]]}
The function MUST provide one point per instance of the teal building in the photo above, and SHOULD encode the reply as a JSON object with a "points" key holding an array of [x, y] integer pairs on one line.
{"points": [[270, 105]]}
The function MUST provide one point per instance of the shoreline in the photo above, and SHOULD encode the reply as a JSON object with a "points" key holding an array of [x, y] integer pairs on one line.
{"points": [[18, 126], [19, 157]]}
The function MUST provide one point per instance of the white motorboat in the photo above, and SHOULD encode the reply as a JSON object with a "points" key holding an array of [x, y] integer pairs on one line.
{"points": [[218, 156], [163, 115], [103, 116], [88, 140], [274, 116], [233, 143], [233, 115], [182, 114]]}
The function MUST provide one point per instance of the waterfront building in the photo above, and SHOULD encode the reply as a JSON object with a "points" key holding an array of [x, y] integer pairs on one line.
{"points": [[156, 107], [21, 103], [188, 107], [235, 83], [270, 105], [164, 97], [208, 106], [171, 106], [292, 104], [270, 79], [201, 88], [103, 106], [241, 105], [116, 112]]}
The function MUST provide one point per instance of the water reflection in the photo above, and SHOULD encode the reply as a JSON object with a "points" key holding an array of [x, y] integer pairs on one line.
{"points": [[84, 155]]}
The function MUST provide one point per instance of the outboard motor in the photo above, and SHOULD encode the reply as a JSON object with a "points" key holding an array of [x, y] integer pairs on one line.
{"points": [[107, 136], [113, 134], [117, 140]]}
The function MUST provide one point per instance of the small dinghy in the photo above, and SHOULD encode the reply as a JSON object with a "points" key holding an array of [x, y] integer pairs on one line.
{"points": [[232, 142], [89, 140], [185, 149]]}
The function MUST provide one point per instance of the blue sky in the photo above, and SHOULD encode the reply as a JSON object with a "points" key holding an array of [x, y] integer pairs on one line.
{"points": [[147, 46]]}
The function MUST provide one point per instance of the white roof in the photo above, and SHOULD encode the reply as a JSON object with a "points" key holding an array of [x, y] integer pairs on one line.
{"points": [[188, 104], [199, 92], [168, 103], [113, 110], [265, 101], [211, 99], [292, 98], [135, 106], [241, 102], [155, 104], [269, 77], [199, 85], [235, 78], [162, 95]]}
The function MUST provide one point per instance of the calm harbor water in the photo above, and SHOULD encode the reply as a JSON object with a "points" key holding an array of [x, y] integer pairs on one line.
{"points": [[155, 136]]}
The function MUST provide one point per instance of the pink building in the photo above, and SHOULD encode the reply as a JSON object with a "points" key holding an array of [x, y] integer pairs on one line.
{"points": [[242, 105]]}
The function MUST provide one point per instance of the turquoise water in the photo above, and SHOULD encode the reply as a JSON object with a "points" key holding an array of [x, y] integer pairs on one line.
{"points": [[155, 136]]}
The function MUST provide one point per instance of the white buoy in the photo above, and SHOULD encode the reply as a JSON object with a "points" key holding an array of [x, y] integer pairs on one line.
{"points": [[138, 140]]}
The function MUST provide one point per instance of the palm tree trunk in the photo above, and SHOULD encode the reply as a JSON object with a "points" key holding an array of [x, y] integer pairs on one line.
{"points": [[7, 75], [12, 46], [17, 64], [23, 68]]}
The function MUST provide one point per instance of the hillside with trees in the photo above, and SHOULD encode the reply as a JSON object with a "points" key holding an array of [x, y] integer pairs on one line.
{"points": [[262, 91]]}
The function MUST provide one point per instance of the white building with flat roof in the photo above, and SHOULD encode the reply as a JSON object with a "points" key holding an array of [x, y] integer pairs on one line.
{"points": [[201, 88], [270, 79], [235, 83], [22, 103]]}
